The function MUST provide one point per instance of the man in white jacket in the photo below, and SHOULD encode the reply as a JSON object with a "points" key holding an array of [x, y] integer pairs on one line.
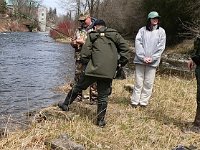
{"points": [[149, 44]]}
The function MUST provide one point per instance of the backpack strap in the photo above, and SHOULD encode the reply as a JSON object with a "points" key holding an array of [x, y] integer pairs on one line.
{"points": [[103, 33]]}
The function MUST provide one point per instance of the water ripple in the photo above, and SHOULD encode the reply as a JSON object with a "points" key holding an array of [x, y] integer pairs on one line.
{"points": [[31, 64]]}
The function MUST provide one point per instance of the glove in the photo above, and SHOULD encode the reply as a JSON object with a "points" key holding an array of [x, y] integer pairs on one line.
{"points": [[122, 61], [85, 61]]}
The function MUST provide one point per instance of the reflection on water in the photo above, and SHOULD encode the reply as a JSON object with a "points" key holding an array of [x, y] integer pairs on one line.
{"points": [[31, 64]]}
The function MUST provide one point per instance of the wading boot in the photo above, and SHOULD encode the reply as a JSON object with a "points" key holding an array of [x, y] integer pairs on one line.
{"points": [[63, 106], [192, 129], [101, 112], [101, 123], [68, 100], [196, 123], [195, 128], [197, 117]]}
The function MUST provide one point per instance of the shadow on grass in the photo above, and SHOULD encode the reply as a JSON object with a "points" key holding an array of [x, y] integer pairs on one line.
{"points": [[119, 100], [84, 110], [160, 116], [154, 113]]}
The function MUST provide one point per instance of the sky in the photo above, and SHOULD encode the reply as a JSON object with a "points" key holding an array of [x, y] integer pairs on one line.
{"points": [[53, 4]]}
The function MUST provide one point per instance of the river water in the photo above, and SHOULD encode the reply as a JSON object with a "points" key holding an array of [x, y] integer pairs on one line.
{"points": [[31, 65]]}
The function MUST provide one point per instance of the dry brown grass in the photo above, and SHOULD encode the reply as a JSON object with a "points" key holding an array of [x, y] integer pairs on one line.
{"points": [[158, 127], [184, 47]]}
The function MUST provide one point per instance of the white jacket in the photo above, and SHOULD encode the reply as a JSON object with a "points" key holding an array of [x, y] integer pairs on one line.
{"points": [[149, 44]]}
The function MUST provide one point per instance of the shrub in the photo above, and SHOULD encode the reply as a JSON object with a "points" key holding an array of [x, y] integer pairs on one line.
{"points": [[63, 29]]}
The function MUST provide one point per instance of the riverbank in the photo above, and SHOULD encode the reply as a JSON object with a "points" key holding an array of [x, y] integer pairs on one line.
{"points": [[9, 25], [66, 40], [159, 126], [32, 64]]}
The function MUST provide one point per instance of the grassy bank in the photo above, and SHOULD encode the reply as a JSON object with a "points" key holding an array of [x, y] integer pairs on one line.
{"points": [[157, 127]]}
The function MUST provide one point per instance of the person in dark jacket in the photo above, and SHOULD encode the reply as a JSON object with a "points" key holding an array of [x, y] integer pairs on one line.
{"points": [[100, 53], [195, 59]]}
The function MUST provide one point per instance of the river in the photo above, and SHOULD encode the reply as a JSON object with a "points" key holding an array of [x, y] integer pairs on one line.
{"points": [[31, 66]]}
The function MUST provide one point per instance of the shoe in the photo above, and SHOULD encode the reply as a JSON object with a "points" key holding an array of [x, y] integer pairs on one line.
{"points": [[78, 99], [134, 105], [101, 112], [93, 102], [101, 123], [181, 147], [143, 106], [63, 107], [194, 129]]}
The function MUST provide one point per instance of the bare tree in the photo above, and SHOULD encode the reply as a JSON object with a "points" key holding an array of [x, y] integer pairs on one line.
{"points": [[25, 8], [126, 16], [81, 6], [93, 7], [71, 6]]}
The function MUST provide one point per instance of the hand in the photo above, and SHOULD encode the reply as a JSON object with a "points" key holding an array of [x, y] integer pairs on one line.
{"points": [[190, 64], [73, 41], [80, 41], [148, 60]]}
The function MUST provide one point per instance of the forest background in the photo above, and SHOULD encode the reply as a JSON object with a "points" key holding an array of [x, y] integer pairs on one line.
{"points": [[180, 18]]}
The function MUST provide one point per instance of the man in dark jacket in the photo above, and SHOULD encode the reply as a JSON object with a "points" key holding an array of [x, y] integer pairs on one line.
{"points": [[100, 53], [195, 59]]}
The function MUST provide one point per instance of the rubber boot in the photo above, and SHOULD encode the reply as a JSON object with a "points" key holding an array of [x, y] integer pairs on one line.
{"points": [[71, 96], [101, 112], [197, 117]]}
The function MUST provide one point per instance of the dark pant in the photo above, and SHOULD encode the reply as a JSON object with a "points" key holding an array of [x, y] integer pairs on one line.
{"points": [[197, 117], [79, 69], [103, 89]]}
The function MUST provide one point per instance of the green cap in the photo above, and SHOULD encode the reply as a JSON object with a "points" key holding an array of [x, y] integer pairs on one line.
{"points": [[153, 14]]}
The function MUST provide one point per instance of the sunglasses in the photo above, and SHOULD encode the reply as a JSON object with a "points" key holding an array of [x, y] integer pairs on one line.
{"points": [[82, 21]]}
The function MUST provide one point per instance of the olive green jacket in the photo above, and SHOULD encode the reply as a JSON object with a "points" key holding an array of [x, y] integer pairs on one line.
{"points": [[104, 49]]}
